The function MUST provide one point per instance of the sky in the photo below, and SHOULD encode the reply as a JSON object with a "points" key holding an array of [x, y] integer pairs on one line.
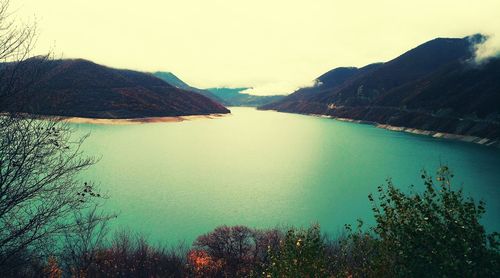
{"points": [[273, 46]]}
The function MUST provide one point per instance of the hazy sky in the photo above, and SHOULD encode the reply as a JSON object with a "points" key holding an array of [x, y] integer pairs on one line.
{"points": [[274, 46]]}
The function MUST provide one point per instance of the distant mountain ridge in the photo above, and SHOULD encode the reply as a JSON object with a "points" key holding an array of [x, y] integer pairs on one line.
{"points": [[434, 86], [235, 97], [175, 81], [225, 96], [81, 88]]}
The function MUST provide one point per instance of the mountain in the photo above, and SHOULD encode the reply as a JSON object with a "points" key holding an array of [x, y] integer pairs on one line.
{"points": [[235, 97], [173, 80], [434, 86], [302, 98], [82, 88]]}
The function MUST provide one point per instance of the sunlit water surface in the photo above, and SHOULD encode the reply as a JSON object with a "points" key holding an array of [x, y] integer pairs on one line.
{"points": [[175, 181]]}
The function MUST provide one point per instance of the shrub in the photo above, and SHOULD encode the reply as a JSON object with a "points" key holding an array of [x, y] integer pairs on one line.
{"points": [[352, 254], [435, 233], [233, 247], [133, 256], [300, 254], [238, 250], [201, 264]]}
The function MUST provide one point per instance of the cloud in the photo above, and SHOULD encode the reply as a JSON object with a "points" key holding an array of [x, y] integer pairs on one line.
{"points": [[487, 49]]}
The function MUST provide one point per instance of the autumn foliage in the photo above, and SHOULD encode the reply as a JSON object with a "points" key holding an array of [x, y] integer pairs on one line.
{"points": [[201, 264]]}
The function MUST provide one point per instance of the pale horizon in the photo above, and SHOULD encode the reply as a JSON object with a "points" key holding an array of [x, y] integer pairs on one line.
{"points": [[274, 47]]}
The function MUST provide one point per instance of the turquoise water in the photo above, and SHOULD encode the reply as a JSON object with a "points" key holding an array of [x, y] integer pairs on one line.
{"points": [[175, 181]]}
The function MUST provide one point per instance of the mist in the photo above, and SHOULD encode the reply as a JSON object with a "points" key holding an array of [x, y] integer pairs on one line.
{"points": [[487, 49]]}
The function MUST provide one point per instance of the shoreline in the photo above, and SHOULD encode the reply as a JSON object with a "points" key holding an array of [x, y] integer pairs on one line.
{"points": [[442, 135], [132, 121]]}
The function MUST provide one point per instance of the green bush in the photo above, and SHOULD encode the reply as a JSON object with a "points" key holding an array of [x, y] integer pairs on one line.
{"points": [[432, 234], [352, 254], [300, 254]]}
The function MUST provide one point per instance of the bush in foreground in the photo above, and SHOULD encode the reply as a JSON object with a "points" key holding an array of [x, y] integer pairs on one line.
{"points": [[300, 254], [435, 233]]}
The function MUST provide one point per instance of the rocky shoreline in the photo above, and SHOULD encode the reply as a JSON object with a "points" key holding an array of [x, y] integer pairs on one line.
{"points": [[435, 134], [464, 138]]}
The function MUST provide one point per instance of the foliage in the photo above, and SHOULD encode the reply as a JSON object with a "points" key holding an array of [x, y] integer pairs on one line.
{"points": [[232, 247], [352, 254], [201, 264], [52, 270], [237, 250], [133, 256], [82, 244], [301, 254], [434, 233]]}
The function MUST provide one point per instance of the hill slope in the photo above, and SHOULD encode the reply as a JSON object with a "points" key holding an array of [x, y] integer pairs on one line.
{"points": [[175, 81], [82, 88], [431, 87], [303, 99]]}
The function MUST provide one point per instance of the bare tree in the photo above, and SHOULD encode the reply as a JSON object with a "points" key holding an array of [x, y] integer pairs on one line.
{"points": [[81, 245], [40, 159], [16, 44], [39, 189]]}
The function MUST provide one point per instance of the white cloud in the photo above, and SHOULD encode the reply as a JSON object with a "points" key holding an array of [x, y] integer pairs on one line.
{"points": [[487, 49]]}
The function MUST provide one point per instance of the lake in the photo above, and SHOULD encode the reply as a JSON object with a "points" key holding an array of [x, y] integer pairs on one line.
{"points": [[175, 181]]}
